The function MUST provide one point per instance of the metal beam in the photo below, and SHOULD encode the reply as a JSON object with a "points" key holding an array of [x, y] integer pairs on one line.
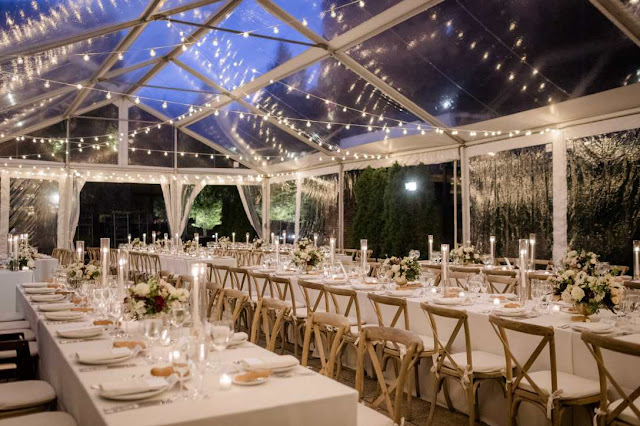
{"points": [[252, 108], [32, 50], [70, 88], [621, 17], [111, 59], [374, 26], [225, 9]]}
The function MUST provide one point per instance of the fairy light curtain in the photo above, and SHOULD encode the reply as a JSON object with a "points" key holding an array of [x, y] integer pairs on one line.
{"points": [[319, 207], [603, 179], [511, 197], [251, 197], [69, 210], [34, 210]]}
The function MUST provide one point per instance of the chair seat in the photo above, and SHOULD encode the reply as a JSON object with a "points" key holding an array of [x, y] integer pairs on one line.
{"points": [[56, 418], [25, 394], [573, 387], [11, 316], [427, 343], [33, 350], [483, 362], [28, 333], [299, 305], [627, 415], [369, 417], [13, 325]]}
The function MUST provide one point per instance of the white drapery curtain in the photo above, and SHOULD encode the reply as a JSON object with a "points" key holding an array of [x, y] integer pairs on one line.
{"points": [[249, 204], [74, 208], [69, 189], [178, 199]]}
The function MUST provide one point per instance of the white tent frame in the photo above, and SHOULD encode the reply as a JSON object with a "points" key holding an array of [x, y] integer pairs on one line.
{"points": [[609, 111]]}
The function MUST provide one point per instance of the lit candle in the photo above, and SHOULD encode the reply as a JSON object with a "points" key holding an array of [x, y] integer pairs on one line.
{"points": [[225, 382], [431, 247], [636, 259], [492, 249], [105, 246], [277, 252], [555, 308], [129, 238], [80, 251], [363, 249], [524, 255], [532, 252], [461, 294], [444, 267], [153, 237], [284, 237], [272, 238], [123, 263], [216, 237], [166, 240], [332, 249], [196, 239], [315, 239], [247, 236], [144, 238], [195, 296], [233, 237]]}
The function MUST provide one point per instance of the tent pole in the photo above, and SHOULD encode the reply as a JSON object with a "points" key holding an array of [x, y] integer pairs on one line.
{"points": [[464, 183], [455, 203], [296, 228], [341, 207]]}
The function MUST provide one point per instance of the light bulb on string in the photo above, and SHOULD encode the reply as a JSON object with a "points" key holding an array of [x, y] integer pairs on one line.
{"points": [[120, 56], [164, 105], [46, 84], [137, 100], [108, 95], [152, 53], [86, 57]]}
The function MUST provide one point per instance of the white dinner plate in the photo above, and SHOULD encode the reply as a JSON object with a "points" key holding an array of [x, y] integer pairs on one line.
{"points": [[64, 316], [452, 301], [40, 290], [511, 312], [48, 298], [34, 285], [56, 307], [86, 333], [258, 381], [137, 396], [131, 354]]}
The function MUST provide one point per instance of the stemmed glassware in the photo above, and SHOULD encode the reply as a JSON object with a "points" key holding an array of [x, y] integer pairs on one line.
{"points": [[179, 313], [221, 334], [539, 289], [180, 362]]}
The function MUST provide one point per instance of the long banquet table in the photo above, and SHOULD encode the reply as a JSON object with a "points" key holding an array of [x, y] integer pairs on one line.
{"points": [[181, 264], [310, 400], [571, 353], [44, 269], [9, 281]]}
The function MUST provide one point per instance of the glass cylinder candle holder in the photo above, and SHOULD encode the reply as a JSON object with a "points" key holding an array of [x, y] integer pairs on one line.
{"points": [[284, 237], [80, 251], [332, 250], [636, 259], [129, 239], [532, 252], [430, 248], [315, 240], [492, 249], [105, 247], [144, 238], [273, 240], [247, 237], [363, 249], [123, 270], [233, 237], [523, 245], [198, 296], [153, 237], [216, 237], [277, 250], [444, 268]]}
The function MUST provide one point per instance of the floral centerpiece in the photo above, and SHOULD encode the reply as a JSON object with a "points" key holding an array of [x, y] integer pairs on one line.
{"points": [[136, 243], [189, 245], [257, 243], [224, 242], [24, 259], [401, 270], [306, 255], [78, 271], [154, 297], [465, 255], [585, 286]]}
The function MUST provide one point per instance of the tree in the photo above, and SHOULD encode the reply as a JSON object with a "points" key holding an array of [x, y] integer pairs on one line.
{"points": [[206, 210]]}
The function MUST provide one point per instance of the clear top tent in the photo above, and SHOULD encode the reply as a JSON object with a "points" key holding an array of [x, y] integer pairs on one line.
{"points": [[263, 91]]}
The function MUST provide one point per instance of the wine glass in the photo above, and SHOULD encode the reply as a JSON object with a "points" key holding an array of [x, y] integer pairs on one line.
{"points": [[179, 314], [221, 333], [475, 284], [180, 362], [539, 289]]}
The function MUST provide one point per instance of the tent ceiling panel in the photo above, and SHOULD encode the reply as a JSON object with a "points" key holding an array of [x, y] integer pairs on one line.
{"points": [[330, 103], [195, 154], [485, 60], [119, 84], [105, 130], [14, 122], [41, 147]]}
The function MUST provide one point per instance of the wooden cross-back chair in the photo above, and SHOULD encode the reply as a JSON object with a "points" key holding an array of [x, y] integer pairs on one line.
{"points": [[548, 390], [260, 284], [315, 296], [221, 275], [500, 272], [256, 257], [531, 276], [459, 279], [213, 296], [435, 269], [459, 365], [626, 409], [154, 264], [270, 312], [185, 281], [466, 269], [239, 279], [391, 350], [413, 345], [94, 254], [231, 304], [499, 284], [333, 327], [622, 268], [298, 313]]}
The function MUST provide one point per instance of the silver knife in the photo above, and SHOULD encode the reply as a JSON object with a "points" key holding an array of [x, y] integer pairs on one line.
{"points": [[107, 367], [135, 405]]}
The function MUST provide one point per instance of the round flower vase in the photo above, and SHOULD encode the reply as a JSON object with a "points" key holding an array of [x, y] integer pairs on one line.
{"points": [[585, 310], [400, 281]]}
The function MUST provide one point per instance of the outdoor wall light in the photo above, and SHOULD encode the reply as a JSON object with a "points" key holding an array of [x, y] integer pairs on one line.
{"points": [[411, 186]]}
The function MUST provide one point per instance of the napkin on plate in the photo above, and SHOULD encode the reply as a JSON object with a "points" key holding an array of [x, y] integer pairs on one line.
{"points": [[272, 363], [63, 315], [594, 327], [400, 293], [239, 338], [34, 285], [47, 298], [130, 387], [53, 307], [81, 331], [98, 355]]}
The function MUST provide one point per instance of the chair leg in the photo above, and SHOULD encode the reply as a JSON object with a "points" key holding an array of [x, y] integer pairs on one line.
{"points": [[437, 384], [471, 401], [446, 394], [417, 378]]}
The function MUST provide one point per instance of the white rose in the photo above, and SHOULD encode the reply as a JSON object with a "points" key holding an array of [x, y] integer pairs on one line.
{"points": [[142, 289], [182, 294], [31, 263], [577, 293]]}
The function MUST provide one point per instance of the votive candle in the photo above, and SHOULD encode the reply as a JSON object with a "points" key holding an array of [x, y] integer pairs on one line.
{"points": [[225, 382]]}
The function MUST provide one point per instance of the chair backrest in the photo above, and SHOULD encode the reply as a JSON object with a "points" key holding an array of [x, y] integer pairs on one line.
{"points": [[502, 284], [221, 275], [333, 326], [622, 268], [314, 295], [261, 284], [94, 254], [154, 264], [213, 295], [435, 269], [629, 400], [500, 326], [466, 269], [284, 289], [401, 311], [500, 272], [271, 313], [239, 279], [342, 301], [413, 344], [231, 301], [443, 349], [185, 281], [459, 279], [632, 285]]}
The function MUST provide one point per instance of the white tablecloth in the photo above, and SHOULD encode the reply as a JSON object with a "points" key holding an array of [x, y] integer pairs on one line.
{"points": [[300, 400], [571, 353], [9, 281], [182, 264], [45, 268]]}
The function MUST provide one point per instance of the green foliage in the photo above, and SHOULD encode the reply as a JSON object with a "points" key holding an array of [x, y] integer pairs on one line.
{"points": [[224, 205], [392, 219], [283, 201], [206, 210]]}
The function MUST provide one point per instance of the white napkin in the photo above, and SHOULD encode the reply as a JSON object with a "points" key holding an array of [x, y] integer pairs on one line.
{"points": [[283, 361], [594, 327], [79, 331], [64, 315], [97, 355], [47, 298], [53, 307], [400, 293], [40, 290], [129, 387], [450, 300], [239, 338], [34, 285]]}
